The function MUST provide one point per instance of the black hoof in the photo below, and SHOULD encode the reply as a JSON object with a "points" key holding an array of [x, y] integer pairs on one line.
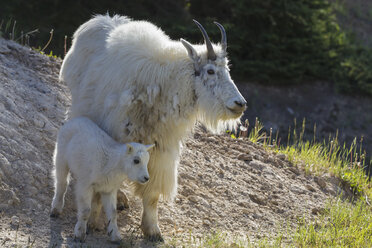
{"points": [[79, 240], [117, 242], [54, 215], [155, 238]]}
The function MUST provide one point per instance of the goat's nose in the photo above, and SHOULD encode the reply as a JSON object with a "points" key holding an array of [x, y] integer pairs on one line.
{"points": [[240, 104]]}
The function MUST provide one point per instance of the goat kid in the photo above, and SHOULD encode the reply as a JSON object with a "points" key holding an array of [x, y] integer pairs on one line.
{"points": [[99, 164]]}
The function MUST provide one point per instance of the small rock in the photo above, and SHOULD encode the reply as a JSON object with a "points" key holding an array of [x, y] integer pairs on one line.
{"points": [[245, 157], [14, 220], [209, 139], [32, 190], [257, 199], [194, 198], [258, 157], [310, 188], [30, 203], [10, 195], [281, 156], [320, 181], [39, 123], [16, 201], [258, 165], [332, 191], [317, 210], [4, 206], [273, 202], [28, 221], [206, 222], [294, 170], [168, 220], [244, 204], [297, 190], [279, 210], [246, 211], [278, 163]]}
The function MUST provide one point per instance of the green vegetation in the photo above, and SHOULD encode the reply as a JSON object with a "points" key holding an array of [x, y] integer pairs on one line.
{"points": [[343, 223], [273, 41], [346, 163]]}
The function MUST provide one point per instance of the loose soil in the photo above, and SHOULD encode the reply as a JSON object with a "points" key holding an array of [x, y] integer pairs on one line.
{"points": [[225, 184]]}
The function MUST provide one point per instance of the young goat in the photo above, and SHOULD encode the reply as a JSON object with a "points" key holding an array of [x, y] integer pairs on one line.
{"points": [[99, 165]]}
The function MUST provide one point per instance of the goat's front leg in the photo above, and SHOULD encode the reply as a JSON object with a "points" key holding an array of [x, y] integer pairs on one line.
{"points": [[84, 201], [109, 205], [149, 224]]}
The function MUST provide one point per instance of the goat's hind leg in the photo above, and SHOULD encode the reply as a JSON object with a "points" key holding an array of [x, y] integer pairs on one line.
{"points": [[61, 182]]}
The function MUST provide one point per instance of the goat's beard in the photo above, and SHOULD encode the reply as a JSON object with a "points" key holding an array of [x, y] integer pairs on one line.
{"points": [[217, 118]]}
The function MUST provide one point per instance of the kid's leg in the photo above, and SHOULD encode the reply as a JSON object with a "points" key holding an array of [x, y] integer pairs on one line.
{"points": [[84, 201], [109, 205]]}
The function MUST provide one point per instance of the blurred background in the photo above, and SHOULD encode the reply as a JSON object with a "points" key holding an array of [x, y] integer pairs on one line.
{"points": [[302, 65]]}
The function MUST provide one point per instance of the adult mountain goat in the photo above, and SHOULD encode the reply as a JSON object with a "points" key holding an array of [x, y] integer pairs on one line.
{"points": [[140, 86]]}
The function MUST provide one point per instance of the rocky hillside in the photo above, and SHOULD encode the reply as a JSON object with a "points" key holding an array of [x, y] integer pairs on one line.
{"points": [[225, 184]]}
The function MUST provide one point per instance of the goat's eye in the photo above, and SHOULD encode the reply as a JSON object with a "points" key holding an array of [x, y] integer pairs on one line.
{"points": [[210, 71], [136, 161]]}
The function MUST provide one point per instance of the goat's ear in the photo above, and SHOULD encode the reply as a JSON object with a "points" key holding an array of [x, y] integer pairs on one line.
{"points": [[149, 147], [129, 149], [191, 51]]}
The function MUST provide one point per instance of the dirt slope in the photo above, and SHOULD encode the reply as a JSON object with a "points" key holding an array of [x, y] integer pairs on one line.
{"points": [[230, 185]]}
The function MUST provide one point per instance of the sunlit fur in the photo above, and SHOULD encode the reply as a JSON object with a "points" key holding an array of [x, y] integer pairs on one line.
{"points": [[99, 165], [140, 86]]}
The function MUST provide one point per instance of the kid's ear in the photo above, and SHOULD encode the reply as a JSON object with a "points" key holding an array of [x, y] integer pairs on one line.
{"points": [[129, 149], [149, 147]]}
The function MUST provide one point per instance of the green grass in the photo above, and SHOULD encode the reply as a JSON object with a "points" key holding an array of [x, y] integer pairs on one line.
{"points": [[222, 239], [343, 223], [317, 158]]}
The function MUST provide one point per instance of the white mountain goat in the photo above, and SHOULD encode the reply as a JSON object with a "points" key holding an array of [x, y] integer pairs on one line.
{"points": [[138, 85], [99, 164]]}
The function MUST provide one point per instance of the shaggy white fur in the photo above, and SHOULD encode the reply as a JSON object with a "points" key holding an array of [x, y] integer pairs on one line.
{"points": [[139, 85], [99, 164]]}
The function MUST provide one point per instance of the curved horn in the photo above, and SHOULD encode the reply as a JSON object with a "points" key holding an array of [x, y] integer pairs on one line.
{"points": [[211, 53], [223, 36]]}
